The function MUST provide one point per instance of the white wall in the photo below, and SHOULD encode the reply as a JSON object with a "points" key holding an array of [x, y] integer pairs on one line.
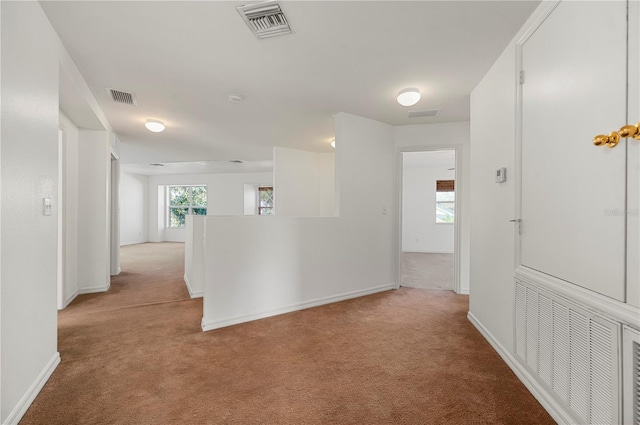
{"points": [[94, 156], [134, 207], [70, 284], [442, 136], [493, 111], [420, 232], [327, 191], [225, 196], [28, 166], [194, 255], [303, 183], [260, 266]]}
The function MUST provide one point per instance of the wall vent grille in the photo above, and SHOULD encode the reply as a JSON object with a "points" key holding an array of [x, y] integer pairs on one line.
{"points": [[636, 383], [571, 351], [631, 379], [425, 113], [121, 96], [265, 19]]}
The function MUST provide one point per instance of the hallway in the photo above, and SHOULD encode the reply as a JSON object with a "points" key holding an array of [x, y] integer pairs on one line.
{"points": [[136, 355]]}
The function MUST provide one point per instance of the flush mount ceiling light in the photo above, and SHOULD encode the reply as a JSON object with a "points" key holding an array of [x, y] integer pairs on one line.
{"points": [[408, 97], [333, 143], [236, 98], [154, 126]]}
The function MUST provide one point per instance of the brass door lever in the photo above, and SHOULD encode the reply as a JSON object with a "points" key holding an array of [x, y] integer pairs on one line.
{"points": [[612, 140]]}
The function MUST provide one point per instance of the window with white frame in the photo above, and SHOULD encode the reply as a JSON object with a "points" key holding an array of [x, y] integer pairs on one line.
{"points": [[185, 200], [265, 200], [445, 201]]}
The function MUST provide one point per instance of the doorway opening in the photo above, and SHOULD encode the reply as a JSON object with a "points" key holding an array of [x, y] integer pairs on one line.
{"points": [[428, 254]]}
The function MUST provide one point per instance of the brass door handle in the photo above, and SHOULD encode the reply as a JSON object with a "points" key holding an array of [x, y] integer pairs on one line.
{"points": [[612, 140]]}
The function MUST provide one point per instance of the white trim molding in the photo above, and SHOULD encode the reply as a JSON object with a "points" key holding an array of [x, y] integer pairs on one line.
{"points": [[556, 410], [221, 323], [94, 289], [69, 299], [31, 394], [457, 238], [608, 307], [192, 293]]}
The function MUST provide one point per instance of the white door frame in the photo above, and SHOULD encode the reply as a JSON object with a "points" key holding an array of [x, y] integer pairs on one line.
{"points": [[114, 214], [61, 217], [459, 205]]}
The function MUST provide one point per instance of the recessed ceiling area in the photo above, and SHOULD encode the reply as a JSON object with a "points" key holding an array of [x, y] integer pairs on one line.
{"points": [[199, 167], [183, 59]]}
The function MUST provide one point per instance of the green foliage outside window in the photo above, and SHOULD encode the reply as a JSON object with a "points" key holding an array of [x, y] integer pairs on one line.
{"points": [[265, 200], [184, 200]]}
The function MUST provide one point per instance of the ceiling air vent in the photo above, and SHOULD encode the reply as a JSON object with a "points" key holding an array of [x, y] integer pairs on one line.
{"points": [[120, 96], [426, 113], [265, 19]]}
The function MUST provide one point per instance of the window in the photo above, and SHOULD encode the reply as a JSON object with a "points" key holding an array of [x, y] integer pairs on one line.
{"points": [[265, 200], [185, 200], [445, 201]]}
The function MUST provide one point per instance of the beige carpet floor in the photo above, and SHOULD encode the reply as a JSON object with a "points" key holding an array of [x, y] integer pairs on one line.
{"points": [[427, 270], [136, 355]]}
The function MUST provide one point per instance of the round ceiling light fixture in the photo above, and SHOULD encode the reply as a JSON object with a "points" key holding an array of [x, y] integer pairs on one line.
{"points": [[236, 98], [333, 143], [408, 97], [154, 126]]}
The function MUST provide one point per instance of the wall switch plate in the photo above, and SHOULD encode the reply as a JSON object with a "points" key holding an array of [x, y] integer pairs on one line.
{"points": [[46, 204], [501, 175]]}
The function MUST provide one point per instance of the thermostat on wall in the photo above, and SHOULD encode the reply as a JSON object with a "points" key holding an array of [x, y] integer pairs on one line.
{"points": [[501, 175]]}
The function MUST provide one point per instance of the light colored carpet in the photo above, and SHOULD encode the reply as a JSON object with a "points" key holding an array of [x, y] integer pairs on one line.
{"points": [[136, 356], [427, 271]]}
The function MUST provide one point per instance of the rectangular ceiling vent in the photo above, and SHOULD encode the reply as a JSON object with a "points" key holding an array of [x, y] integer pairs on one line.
{"points": [[426, 113], [265, 19], [120, 96]]}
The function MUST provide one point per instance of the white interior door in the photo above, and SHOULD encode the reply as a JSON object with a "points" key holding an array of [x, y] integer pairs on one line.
{"points": [[573, 193]]}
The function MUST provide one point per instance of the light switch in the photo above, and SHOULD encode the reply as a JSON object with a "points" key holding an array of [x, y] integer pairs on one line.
{"points": [[46, 206], [501, 175]]}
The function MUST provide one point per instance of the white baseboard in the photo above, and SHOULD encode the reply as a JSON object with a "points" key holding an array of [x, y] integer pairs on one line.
{"points": [[555, 409], [133, 242], [463, 291], [427, 252], [18, 412], [94, 289], [69, 299], [221, 323], [192, 294]]}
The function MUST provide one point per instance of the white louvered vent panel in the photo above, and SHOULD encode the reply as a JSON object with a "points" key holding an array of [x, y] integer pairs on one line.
{"points": [[579, 364], [532, 329], [636, 383], [631, 375], [561, 356], [602, 391], [545, 338], [572, 353], [121, 96], [520, 312], [265, 19]]}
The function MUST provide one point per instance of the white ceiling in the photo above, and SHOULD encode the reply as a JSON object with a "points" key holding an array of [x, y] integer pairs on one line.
{"points": [[182, 59]]}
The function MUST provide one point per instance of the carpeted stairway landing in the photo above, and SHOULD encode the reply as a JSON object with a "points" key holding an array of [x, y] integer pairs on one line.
{"points": [[136, 355]]}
